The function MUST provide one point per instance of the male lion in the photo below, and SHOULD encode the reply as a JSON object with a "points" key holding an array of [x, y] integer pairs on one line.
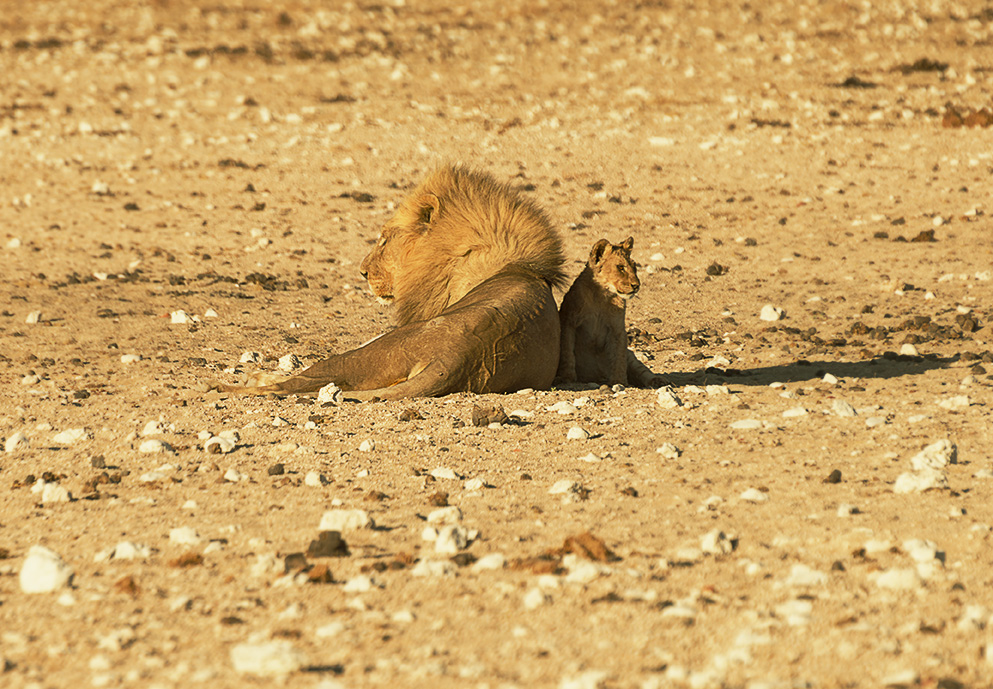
{"points": [[469, 264], [594, 345]]}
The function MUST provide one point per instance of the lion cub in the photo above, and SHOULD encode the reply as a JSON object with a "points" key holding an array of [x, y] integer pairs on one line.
{"points": [[593, 345]]}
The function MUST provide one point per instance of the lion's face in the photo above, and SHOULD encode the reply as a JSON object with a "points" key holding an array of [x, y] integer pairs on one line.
{"points": [[379, 267], [613, 268]]}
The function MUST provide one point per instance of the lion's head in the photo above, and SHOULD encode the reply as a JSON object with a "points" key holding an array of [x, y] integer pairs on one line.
{"points": [[613, 268], [455, 230]]}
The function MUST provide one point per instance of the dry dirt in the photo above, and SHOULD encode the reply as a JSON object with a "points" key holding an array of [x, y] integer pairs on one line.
{"points": [[239, 157]]}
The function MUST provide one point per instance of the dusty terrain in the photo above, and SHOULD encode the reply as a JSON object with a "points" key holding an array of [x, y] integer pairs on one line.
{"points": [[234, 161]]}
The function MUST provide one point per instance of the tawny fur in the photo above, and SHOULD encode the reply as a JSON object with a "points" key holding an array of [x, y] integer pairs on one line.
{"points": [[593, 346], [475, 226], [470, 264]]}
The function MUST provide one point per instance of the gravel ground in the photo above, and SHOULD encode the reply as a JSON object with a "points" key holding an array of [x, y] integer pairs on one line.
{"points": [[808, 186]]}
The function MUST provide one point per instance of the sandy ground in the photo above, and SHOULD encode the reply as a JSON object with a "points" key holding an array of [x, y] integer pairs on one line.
{"points": [[234, 161]]}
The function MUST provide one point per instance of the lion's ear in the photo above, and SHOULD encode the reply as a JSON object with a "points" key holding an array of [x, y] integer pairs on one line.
{"points": [[628, 244], [427, 208], [596, 253]]}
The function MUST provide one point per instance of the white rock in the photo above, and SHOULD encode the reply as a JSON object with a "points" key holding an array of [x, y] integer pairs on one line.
{"points": [[590, 458], [846, 510], [234, 476], [130, 358], [681, 611], [451, 539], [152, 428], [771, 313], [269, 659], [314, 479], [330, 394], [329, 630], [754, 495], [474, 484], [668, 451], [33, 317], [279, 422], [562, 487], [433, 568], [179, 317], [445, 515], [843, 409], [746, 425], [210, 313], [535, 598], [359, 584], [974, 618], [901, 678], [249, 357], [368, 445], [577, 433], [563, 408], [802, 575], [489, 561], [874, 421], [30, 380], [897, 579], [127, 550], [444, 473], [184, 535], [908, 350], [935, 456], [718, 390], [289, 363], [591, 679], [153, 446], [920, 481], [796, 613], [955, 403], [830, 379], [716, 542], [53, 493], [667, 399], [794, 412], [345, 520], [71, 436], [920, 550], [43, 571], [15, 442], [218, 445]]}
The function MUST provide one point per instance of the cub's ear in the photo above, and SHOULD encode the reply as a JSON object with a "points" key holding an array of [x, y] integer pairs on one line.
{"points": [[628, 244], [596, 253], [427, 208]]}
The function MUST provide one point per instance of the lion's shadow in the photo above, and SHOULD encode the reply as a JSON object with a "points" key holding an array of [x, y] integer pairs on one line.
{"points": [[878, 367]]}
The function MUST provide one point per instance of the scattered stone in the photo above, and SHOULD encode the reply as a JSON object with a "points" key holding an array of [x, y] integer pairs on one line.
{"points": [[234, 476], [843, 409], [897, 579], [289, 363], [153, 446], [269, 659], [563, 487], [433, 568], [43, 571], [830, 379], [53, 493], [330, 394], [444, 473], [874, 421], [563, 408], [314, 479], [535, 598], [367, 445], [667, 399], [217, 445], [794, 412], [668, 451], [445, 515], [908, 349], [249, 358], [577, 433], [484, 415], [451, 539], [716, 542], [179, 317], [33, 318], [937, 455], [754, 495], [71, 436], [802, 575], [184, 535], [490, 561], [717, 390], [130, 358], [590, 458], [15, 442], [833, 477], [345, 520], [796, 613], [846, 510], [955, 403], [474, 484], [328, 544], [771, 313], [746, 425]]}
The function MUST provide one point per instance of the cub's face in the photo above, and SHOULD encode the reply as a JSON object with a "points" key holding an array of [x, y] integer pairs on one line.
{"points": [[613, 268]]}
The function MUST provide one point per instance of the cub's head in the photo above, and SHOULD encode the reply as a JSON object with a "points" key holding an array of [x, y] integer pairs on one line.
{"points": [[613, 268]]}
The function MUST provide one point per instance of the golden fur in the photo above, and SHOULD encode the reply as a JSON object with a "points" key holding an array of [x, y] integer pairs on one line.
{"points": [[469, 264], [594, 346]]}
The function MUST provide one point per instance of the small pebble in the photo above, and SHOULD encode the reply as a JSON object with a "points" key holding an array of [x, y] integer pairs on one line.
{"points": [[897, 579], [433, 568], [716, 542], [249, 358], [563, 408], [184, 535], [218, 445], [474, 484], [577, 433], [590, 458], [754, 495], [874, 421], [846, 510], [667, 399], [802, 575], [33, 317], [937, 455], [451, 539], [920, 481], [747, 425], [30, 379], [71, 436], [830, 379], [43, 571], [908, 350], [130, 358], [153, 446], [535, 598], [843, 409], [345, 520], [796, 613], [179, 317], [563, 487], [53, 493], [234, 476], [330, 394], [368, 445], [955, 403], [210, 313], [668, 451], [314, 479], [268, 659], [491, 561], [771, 313], [15, 442], [444, 473], [445, 515], [289, 363], [794, 412]]}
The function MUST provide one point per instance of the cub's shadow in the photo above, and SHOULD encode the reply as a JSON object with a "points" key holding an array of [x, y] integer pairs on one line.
{"points": [[879, 367]]}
